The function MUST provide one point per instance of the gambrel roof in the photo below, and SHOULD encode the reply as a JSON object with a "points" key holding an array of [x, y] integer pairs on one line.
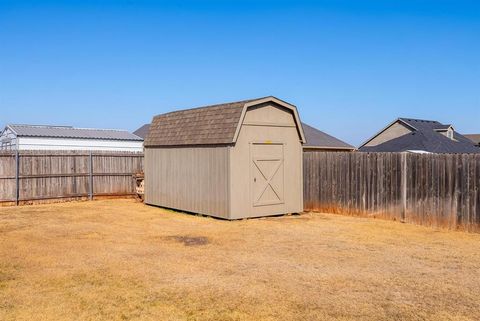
{"points": [[210, 125]]}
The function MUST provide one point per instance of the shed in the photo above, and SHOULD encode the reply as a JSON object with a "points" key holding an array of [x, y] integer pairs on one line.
{"points": [[233, 160]]}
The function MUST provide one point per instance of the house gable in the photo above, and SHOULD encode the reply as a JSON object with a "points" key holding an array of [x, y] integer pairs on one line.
{"points": [[8, 139], [447, 131], [424, 135], [397, 129]]}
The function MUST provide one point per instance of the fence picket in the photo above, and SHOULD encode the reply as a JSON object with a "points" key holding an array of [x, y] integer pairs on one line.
{"points": [[440, 190], [41, 175]]}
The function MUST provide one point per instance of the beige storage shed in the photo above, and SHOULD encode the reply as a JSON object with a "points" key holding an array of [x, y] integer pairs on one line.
{"points": [[233, 160]]}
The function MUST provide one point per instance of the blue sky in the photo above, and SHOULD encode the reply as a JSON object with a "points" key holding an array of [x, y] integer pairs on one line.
{"points": [[351, 67]]}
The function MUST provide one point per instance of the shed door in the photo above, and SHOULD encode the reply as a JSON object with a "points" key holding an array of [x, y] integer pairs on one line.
{"points": [[267, 173]]}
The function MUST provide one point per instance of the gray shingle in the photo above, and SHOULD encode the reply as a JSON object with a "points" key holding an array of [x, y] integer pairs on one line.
{"points": [[425, 137], [316, 138], [209, 125], [142, 131]]}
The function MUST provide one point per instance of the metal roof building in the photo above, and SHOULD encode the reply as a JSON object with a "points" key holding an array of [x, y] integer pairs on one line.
{"points": [[41, 137], [233, 160]]}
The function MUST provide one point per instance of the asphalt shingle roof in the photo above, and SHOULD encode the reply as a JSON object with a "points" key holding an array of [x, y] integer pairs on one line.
{"points": [[317, 138], [425, 137], [209, 125], [72, 132], [142, 131]]}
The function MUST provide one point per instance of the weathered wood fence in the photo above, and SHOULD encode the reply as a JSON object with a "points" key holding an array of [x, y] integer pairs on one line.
{"points": [[28, 176], [441, 190]]}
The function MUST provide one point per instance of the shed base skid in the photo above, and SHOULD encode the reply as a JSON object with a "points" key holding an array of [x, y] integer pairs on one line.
{"points": [[180, 211]]}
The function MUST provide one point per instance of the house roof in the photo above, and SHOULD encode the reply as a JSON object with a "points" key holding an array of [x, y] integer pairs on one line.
{"points": [[210, 125], [142, 132], [421, 124], [318, 139], [442, 127], [475, 138], [424, 137], [71, 132]]}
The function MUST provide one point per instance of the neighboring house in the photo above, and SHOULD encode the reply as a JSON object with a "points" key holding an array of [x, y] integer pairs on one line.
{"points": [[320, 141], [36, 137], [142, 131], [316, 139], [417, 135], [475, 138]]}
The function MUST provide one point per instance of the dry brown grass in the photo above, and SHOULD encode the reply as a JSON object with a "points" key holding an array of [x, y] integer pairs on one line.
{"points": [[121, 260]]}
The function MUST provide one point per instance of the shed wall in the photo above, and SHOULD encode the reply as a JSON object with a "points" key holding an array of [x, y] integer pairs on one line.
{"points": [[267, 125], [192, 179]]}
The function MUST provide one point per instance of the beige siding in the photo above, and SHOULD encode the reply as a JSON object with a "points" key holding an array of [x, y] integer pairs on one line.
{"points": [[260, 175], [193, 179], [268, 125], [448, 132], [392, 132], [268, 114]]}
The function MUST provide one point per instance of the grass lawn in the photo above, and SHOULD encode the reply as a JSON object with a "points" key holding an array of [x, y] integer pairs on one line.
{"points": [[122, 260]]}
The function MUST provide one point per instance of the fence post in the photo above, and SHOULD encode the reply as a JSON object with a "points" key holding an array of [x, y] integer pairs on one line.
{"points": [[90, 178], [17, 177], [404, 185]]}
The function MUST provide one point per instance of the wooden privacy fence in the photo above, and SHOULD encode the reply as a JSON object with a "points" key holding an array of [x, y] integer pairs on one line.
{"points": [[40, 175], [439, 190]]}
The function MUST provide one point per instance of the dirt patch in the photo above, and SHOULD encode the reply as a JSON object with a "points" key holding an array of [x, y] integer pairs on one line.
{"points": [[7, 229], [6, 274], [190, 240]]}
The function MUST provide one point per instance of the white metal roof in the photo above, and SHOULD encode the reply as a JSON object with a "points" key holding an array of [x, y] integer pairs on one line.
{"points": [[72, 132]]}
